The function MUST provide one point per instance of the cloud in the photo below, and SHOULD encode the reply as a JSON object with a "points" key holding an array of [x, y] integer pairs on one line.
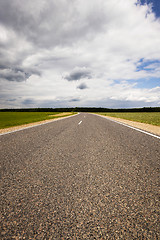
{"points": [[113, 44], [38, 21], [78, 73], [11, 100], [16, 74], [74, 100], [82, 86], [28, 102]]}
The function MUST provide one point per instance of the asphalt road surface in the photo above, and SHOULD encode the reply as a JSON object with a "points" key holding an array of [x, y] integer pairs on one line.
{"points": [[83, 177]]}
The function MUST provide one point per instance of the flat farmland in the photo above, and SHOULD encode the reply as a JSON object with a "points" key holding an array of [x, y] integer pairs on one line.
{"points": [[11, 119], [143, 117]]}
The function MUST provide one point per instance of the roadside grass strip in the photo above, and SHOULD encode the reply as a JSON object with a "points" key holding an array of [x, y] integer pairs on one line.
{"points": [[143, 117]]}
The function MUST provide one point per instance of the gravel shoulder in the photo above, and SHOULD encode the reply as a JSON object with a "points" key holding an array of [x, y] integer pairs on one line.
{"points": [[144, 126]]}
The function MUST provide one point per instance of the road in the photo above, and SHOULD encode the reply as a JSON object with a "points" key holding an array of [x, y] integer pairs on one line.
{"points": [[84, 177]]}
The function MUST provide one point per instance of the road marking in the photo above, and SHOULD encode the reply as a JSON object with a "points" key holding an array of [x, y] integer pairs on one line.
{"points": [[55, 120], [126, 125], [79, 122]]}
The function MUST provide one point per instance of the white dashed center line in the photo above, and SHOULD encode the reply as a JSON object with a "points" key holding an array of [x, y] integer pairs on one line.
{"points": [[79, 122]]}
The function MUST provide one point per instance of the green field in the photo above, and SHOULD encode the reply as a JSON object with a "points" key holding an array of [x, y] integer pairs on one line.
{"points": [[10, 119], [144, 117]]}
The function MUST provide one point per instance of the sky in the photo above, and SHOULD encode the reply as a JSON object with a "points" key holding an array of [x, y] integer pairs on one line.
{"points": [[74, 53]]}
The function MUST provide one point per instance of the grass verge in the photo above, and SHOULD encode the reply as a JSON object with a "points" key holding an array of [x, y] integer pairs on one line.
{"points": [[11, 119], [143, 117]]}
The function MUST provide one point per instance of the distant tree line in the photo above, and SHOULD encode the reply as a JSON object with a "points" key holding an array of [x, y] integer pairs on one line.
{"points": [[83, 109]]}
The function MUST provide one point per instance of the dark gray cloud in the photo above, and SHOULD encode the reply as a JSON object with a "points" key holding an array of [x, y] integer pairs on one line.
{"points": [[17, 74], [28, 101], [78, 73], [11, 100], [31, 102], [82, 86], [14, 75], [74, 100]]}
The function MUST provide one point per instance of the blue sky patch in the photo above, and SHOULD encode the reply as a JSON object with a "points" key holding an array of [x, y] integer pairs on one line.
{"points": [[142, 83], [155, 6], [150, 65], [147, 83]]}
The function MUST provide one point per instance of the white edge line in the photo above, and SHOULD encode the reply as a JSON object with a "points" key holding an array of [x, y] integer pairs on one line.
{"points": [[54, 120], [126, 125]]}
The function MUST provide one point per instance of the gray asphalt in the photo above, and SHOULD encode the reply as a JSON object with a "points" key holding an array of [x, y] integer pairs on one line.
{"points": [[94, 180]]}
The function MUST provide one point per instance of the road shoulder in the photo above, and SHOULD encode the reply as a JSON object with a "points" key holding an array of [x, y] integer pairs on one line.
{"points": [[143, 126]]}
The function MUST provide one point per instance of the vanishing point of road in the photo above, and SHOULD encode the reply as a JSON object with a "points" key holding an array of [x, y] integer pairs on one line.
{"points": [[83, 177]]}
